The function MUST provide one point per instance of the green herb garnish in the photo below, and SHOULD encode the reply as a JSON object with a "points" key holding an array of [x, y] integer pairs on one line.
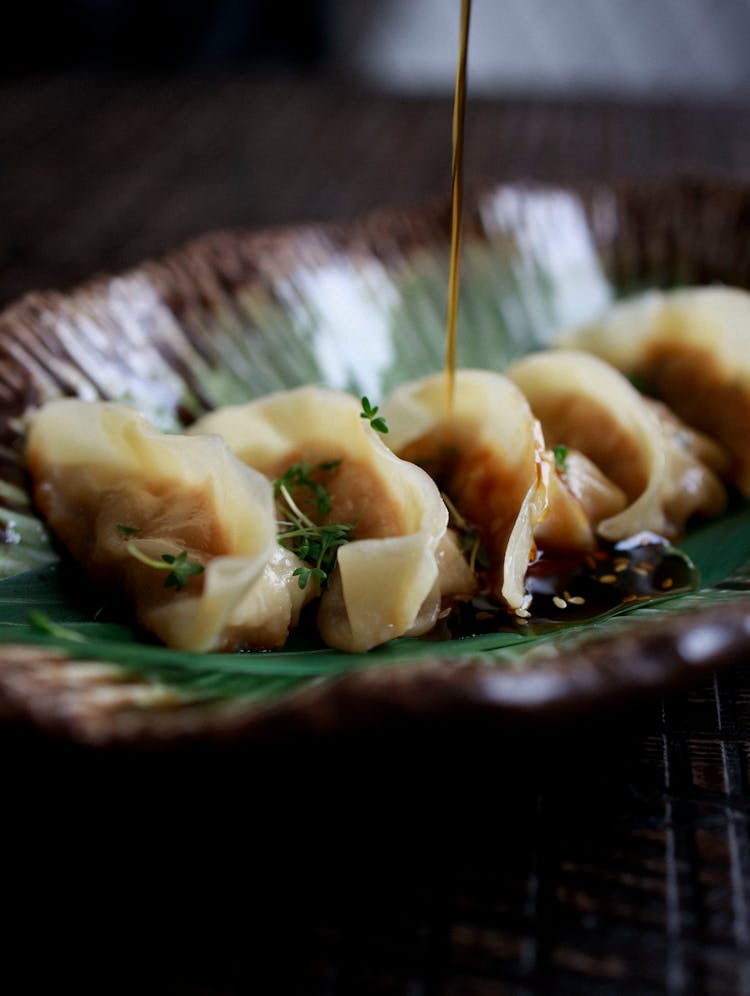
{"points": [[128, 530], [316, 545], [475, 553], [561, 457], [300, 475], [470, 538], [369, 412], [180, 568]]}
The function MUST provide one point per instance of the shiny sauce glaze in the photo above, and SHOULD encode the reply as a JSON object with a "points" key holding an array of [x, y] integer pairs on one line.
{"points": [[573, 590]]}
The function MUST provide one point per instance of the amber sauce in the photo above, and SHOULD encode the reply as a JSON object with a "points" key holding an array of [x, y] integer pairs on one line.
{"points": [[459, 114]]}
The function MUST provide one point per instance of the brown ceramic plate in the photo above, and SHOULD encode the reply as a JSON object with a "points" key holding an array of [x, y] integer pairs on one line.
{"points": [[360, 306]]}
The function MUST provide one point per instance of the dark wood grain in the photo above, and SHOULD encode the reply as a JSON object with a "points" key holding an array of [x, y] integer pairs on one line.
{"points": [[98, 173]]}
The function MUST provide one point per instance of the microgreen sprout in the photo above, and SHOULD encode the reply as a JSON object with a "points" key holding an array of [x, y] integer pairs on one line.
{"points": [[316, 545], [180, 568], [370, 412], [300, 475], [561, 457], [128, 530], [470, 539]]}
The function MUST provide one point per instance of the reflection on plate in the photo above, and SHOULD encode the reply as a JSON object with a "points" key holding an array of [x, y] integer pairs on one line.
{"points": [[359, 307]]}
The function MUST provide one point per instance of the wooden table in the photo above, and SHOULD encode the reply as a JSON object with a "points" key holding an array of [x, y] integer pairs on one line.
{"points": [[97, 174], [625, 870]]}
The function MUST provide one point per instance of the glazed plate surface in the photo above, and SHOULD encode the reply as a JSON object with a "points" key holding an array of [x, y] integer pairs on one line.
{"points": [[361, 307]]}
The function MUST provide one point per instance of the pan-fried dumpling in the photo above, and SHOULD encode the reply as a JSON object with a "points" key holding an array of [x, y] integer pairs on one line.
{"points": [[486, 453], [580, 497], [584, 403], [386, 582], [271, 607], [118, 493], [691, 349]]}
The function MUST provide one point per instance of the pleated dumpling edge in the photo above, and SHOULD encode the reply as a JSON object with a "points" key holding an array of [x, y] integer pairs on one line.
{"points": [[174, 522], [387, 578]]}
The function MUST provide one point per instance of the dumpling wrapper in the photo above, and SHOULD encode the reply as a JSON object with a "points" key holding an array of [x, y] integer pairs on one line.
{"points": [[580, 496], [584, 403], [487, 455], [691, 348], [695, 466], [97, 466], [386, 583]]}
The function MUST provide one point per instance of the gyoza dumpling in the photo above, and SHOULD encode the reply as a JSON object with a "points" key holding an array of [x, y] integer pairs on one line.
{"points": [[487, 454], [386, 581], [580, 497], [584, 403], [691, 348], [115, 491]]}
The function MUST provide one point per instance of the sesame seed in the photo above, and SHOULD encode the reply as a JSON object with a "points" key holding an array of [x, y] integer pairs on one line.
{"points": [[559, 602], [522, 613], [607, 579], [577, 600], [667, 583], [522, 622]]}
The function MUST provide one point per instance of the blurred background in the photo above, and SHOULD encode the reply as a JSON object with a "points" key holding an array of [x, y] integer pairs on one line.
{"points": [[574, 47], [129, 126], [634, 47]]}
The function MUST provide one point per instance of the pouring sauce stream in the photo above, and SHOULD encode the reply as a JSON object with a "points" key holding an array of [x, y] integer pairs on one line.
{"points": [[459, 114]]}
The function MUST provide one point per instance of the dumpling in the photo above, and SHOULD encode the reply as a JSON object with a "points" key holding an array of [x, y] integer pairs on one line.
{"points": [[585, 404], [580, 497], [119, 493], [695, 467], [271, 607], [387, 579], [691, 349], [486, 452]]}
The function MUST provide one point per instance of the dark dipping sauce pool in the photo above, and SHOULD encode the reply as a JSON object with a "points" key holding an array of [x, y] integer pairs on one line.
{"points": [[573, 590]]}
